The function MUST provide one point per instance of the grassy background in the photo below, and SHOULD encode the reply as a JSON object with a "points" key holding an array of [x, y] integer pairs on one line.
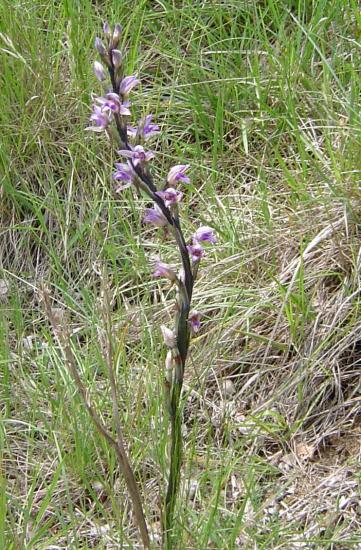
{"points": [[262, 99]]}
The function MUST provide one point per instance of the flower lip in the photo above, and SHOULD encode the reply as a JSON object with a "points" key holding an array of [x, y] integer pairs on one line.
{"points": [[204, 234], [195, 320], [145, 128], [124, 172], [127, 84], [196, 252], [170, 196], [177, 173], [155, 217], [164, 270], [100, 118], [137, 154]]}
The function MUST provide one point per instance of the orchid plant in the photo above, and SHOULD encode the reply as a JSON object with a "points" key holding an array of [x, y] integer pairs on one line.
{"points": [[133, 170]]}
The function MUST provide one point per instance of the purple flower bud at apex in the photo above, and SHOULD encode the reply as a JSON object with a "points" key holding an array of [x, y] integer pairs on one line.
{"points": [[99, 46], [155, 217], [137, 154], [194, 320], [100, 118], [196, 251], [170, 196], [127, 84], [116, 35], [117, 58], [205, 234], [164, 270], [107, 30], [177, 173], [99, 71], [168, 337]]}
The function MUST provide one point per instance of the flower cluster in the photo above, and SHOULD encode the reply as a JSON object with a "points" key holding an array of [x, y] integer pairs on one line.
{"points": [[133, 167]]}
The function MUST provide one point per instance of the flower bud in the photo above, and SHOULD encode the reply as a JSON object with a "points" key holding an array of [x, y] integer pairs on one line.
{"points": [[99, 71], [100, 47], [107, 30], [169, 364], [168, 337], [116, 35], [117, 58]]}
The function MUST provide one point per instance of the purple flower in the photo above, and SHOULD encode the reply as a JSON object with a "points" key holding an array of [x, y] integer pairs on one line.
{"points": [[127, 84], [137, 154], [145, 128], [177, 173], [194, 320], [155, 216], [149, 129], [113, 103], [205, 234], [100, 118], [170, 196], [124, 172], [99, 71], [164, 270], [196, 251]]}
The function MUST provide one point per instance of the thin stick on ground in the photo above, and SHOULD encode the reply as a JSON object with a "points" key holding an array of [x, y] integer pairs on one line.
{"points": [[62, 335]]}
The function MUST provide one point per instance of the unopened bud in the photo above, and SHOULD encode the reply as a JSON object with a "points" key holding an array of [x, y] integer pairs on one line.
{"points": [[117, 57], [99, 71], [168, 337], [116, 35], [100, 47], [107, 30], [169, 367]]}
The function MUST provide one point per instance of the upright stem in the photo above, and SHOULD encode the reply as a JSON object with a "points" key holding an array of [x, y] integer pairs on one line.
{"points": [[182, 329]]}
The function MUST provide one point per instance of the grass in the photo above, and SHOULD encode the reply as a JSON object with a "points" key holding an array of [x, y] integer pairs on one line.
{"points": [[262, 99]]}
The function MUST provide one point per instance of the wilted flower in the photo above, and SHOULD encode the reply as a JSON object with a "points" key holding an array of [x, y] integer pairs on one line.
{"points": [[127, 84], [164, 270], [117, 58], [177, 173], [205, 234], [137, 154], [196, 252], [113, 103], [168, 337], [100, 118], [145, 128], [170, 196], [194, 320], [99, 71], [155, 216]]}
